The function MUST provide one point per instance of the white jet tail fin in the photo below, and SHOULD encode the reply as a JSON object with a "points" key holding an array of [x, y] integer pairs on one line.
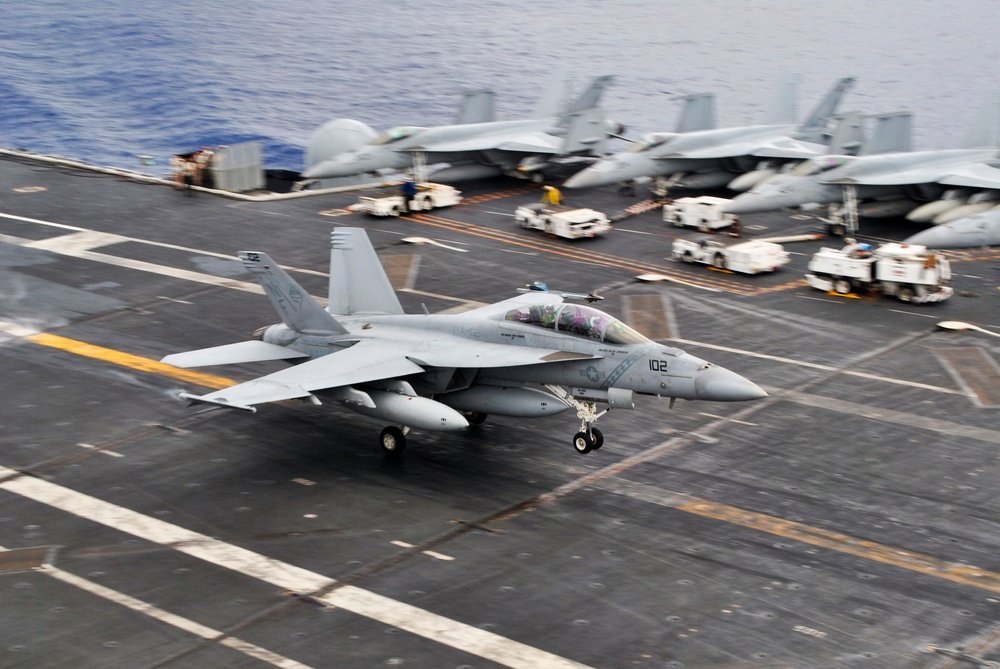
{"points": [[587, 133], [814, 126], [782, 109], [554, 96], [698, 113], [297, 308], [848, 138], [892, 133], [358, 283], [985, 130], [591, 97], [477, 107]]}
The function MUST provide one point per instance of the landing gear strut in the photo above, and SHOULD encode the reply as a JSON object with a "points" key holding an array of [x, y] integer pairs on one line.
{"points": [[589, 438]]}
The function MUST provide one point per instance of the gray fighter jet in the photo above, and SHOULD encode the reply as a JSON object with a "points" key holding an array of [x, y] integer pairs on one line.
{"points": [[482, 148], [718, 157], [443, 372], [964, 233], [953, 183]]}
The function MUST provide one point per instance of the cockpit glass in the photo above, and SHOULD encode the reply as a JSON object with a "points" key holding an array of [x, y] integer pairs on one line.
{"points": [[578, 320], [394, 135]]}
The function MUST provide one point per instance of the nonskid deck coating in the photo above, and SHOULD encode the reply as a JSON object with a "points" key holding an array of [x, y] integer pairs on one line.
{"points": [[847, 520]]}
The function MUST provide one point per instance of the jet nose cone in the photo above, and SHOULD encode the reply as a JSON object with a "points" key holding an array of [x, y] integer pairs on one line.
{"points": [[940, 237], [747, 203], [587, 178], [327, 169], [718, 384]]}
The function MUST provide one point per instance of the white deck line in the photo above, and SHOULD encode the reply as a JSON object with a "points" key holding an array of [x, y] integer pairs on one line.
{"points": [[440, 629]]}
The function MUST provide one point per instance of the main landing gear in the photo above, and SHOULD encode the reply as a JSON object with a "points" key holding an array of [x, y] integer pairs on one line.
{"points": [[393, 440], [589, 438]]}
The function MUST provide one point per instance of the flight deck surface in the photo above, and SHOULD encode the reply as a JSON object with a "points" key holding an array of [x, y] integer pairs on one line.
{"points": [[848, 520]]}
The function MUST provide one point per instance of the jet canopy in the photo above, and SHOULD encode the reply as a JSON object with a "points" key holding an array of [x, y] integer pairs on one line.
{"points": [[578, 320], [394, 135], [819, 164], [649, 141]]}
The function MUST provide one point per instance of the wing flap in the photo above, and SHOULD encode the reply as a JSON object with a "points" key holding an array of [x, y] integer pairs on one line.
{"points": [[361, 363], [232, 354], [523, 142], [973, 176]]}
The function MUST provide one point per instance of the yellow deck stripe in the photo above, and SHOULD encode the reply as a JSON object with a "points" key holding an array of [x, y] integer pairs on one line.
{"points": [[128, 360], [843, 543]]}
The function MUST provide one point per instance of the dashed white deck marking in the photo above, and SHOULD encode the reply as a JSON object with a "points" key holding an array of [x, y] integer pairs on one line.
{"points": [[440, 629]]}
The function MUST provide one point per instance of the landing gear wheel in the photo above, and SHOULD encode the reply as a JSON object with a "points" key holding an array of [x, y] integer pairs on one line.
{"points": [[393, 441], [905, 294], [598, 437], [476, 418], [842, 286], [583, 443], [837, 229], [537, 178]]}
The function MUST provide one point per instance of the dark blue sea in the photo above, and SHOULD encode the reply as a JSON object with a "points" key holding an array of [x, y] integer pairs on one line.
{"points": [[109, 81]]}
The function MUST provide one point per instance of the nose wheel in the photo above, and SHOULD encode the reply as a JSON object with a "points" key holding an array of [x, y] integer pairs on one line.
{"points": [[589, 438], [393, 440], [585, 442]]}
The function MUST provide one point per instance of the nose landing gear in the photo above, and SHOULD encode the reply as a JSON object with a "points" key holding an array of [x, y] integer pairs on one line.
{"points": [[589, 438]]}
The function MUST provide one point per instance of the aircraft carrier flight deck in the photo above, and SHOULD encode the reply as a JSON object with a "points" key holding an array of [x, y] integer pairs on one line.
{"points": [[849, 519]]}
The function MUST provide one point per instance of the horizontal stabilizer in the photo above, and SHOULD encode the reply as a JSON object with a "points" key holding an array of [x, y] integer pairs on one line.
{"points": [[198, 399], [233, 354], [253, 392]]}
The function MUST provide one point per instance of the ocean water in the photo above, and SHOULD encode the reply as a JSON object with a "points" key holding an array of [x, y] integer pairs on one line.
{"points": [[106, 82]]}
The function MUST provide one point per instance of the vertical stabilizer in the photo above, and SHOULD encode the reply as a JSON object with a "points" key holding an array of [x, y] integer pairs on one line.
{"points": [[586, 133], [892, 133], [554, 96], [815, 124], [477, 107], [591, 97], [297, 308], [848, 137], [698, 113], [984, 131], [358, 283], [782, 108]]}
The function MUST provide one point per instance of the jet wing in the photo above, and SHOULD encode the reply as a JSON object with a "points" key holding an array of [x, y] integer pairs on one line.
{"points": [[231, 354], [924, 174], [465, 353], [979, 175], [522, 142], [784, 147], [365, 361]]}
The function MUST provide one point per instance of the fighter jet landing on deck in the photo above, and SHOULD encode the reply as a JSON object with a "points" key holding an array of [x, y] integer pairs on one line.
{"points": [[443, 372]]}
